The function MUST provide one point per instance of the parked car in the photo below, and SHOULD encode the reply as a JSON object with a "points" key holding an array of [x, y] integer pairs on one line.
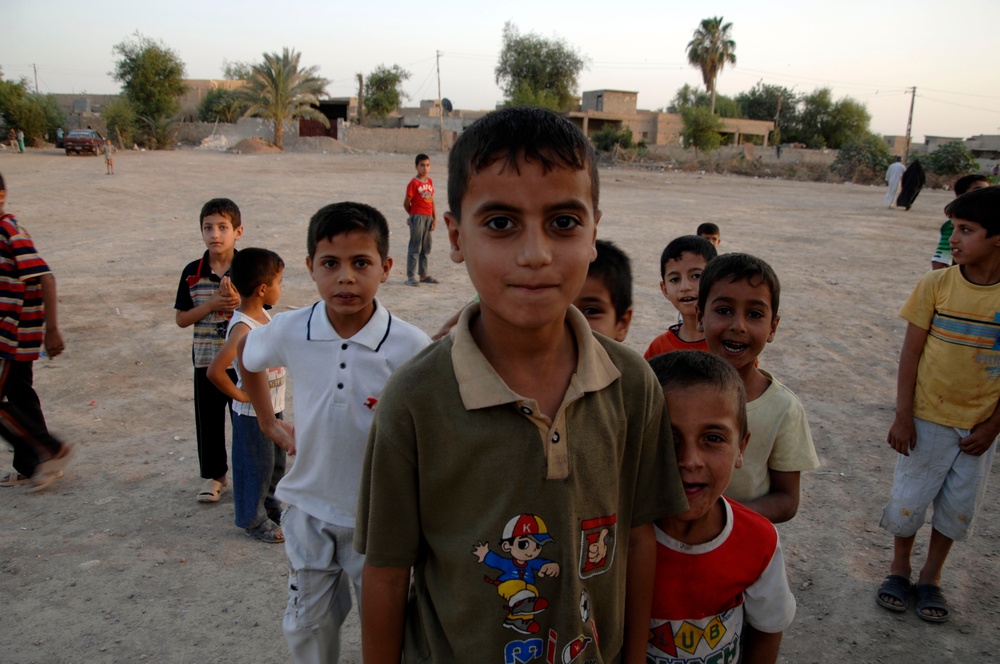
{"points": [[83, 140]]}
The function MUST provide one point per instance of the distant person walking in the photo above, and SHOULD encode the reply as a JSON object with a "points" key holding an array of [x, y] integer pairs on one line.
{"points": [[913, 182], [893, 175], [20, 141], [12, 138]]}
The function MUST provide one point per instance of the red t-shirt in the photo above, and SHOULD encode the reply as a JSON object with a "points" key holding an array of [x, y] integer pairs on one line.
{"points": [[421, 195], [669, 341]]}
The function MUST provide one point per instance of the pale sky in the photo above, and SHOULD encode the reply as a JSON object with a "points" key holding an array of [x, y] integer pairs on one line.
{"points": [[872, 51]]}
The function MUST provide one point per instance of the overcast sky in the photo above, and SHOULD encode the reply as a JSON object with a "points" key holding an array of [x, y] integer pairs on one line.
{"points": [[871, 51]]}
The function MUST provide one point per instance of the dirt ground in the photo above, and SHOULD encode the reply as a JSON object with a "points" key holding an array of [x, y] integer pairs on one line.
{"points": [[116, 562]]}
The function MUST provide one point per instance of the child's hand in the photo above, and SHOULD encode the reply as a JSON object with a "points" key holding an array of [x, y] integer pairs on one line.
{"points": [[54, 344], [902, 435], [226, 298], [979, 439], [283, 434]]}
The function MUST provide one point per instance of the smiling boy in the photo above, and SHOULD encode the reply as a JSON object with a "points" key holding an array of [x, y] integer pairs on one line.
{"points": [[681, 264], [738, 311], [719, 566], [339, 353], [521, 411]]}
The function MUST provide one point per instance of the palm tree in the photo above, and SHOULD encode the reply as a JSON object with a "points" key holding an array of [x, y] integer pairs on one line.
{"points": [[278, 90], [711, 50]]}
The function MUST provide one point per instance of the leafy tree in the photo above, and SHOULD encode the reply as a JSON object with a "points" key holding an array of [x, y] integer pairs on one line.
{"points": [[823, 122], [152, 78], [702, 129], [121, 120], [221, 106], [279, 90], [711, 49], [384, 90], [36, 115], [687, 95], [772, 103], [236, 71], [862, 158], [607, 138], [849, 119], [533, 68], [950, 159]]}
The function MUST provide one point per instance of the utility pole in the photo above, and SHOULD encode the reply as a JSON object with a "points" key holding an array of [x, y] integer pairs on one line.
{"points": [[440, 107], [35, 67], [909, 123], [361, 99]]}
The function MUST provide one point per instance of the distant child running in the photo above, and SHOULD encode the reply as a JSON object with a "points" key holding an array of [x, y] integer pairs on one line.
{"points": [[206, 299], [947, 404], [28, 320], [721, 594], [339, 352], [258, 462], [681, 264], [419, 204], [738, 310]]}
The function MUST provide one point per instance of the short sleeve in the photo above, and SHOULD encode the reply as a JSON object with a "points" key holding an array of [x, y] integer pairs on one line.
{"points": [[411, 189], [387, 529], [919, 307], [769, 605], [183, 301], [260, 350], [793, 449], [28, 264]]}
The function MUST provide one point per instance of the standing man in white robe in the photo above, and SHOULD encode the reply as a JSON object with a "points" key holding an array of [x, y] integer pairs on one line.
{"points": [[893, 175]]}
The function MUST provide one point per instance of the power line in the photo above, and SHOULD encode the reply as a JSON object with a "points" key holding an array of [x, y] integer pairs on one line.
{"points": [[951, 103]]}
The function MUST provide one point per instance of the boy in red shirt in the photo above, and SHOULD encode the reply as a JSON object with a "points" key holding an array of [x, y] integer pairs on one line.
{"points": [[419, 204]]}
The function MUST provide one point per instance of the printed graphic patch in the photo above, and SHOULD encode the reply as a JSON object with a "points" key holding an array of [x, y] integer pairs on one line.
{"points": [[597, 545]]}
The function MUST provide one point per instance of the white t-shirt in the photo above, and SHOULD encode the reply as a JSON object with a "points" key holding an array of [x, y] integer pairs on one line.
{"points": [[275, 375], [337, 383]]}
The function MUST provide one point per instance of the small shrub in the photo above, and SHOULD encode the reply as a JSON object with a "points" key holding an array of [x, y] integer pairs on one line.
{"points": [[606, 139]]}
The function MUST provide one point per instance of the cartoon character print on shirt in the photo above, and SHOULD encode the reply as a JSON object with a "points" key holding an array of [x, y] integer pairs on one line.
{"points": [[523, 538]]}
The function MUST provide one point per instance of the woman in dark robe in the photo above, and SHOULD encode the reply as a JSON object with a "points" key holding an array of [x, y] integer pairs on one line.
{"points": [[913, 182]]}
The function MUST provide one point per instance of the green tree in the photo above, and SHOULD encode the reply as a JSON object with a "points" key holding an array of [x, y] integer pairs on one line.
{"points": [[384, 90], [607, 138], [862, 158], [36, 115], [121, 120], [152, 78], [688, 95], [279, 90], [772, 103], [221, 106], [702, 129], [711, 49], [950, 159], [823, 122], [535, 69], [236, 71]]}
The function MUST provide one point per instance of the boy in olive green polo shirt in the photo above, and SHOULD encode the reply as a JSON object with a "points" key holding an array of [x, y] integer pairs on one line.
{"points": [[516, 466]]}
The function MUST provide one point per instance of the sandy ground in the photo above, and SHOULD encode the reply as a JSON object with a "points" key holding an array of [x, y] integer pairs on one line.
{"points": [[118, 563]]}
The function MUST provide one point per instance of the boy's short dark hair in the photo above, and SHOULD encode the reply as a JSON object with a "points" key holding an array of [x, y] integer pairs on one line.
{"points": [[707, 228], [338, 218], [512, 134], [981, 206], [688, 368], [963, 183], [224, 208], [3, 187], [252, 267], [614, 269], [739, 267], [686, 244], [420, 157]]}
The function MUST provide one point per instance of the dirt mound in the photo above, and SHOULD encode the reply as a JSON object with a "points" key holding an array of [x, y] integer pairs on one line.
{"points": [[254, 145], [318, 144]]}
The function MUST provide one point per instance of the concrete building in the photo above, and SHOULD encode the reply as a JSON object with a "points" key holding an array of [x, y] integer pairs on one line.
{"points": [[600, 109]]}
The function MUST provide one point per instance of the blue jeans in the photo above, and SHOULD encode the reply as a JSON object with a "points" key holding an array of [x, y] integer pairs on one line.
{"points": [[258, 466]]}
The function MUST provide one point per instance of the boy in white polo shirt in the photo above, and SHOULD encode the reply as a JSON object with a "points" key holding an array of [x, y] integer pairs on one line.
{"points": [[339, 353]]}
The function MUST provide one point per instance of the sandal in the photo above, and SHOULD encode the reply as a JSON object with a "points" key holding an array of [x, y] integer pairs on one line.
{"points": [[211, 491], [428, 280], [897, 587], [13, 479], [930, 596], [268, 531], [38, 482]]}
